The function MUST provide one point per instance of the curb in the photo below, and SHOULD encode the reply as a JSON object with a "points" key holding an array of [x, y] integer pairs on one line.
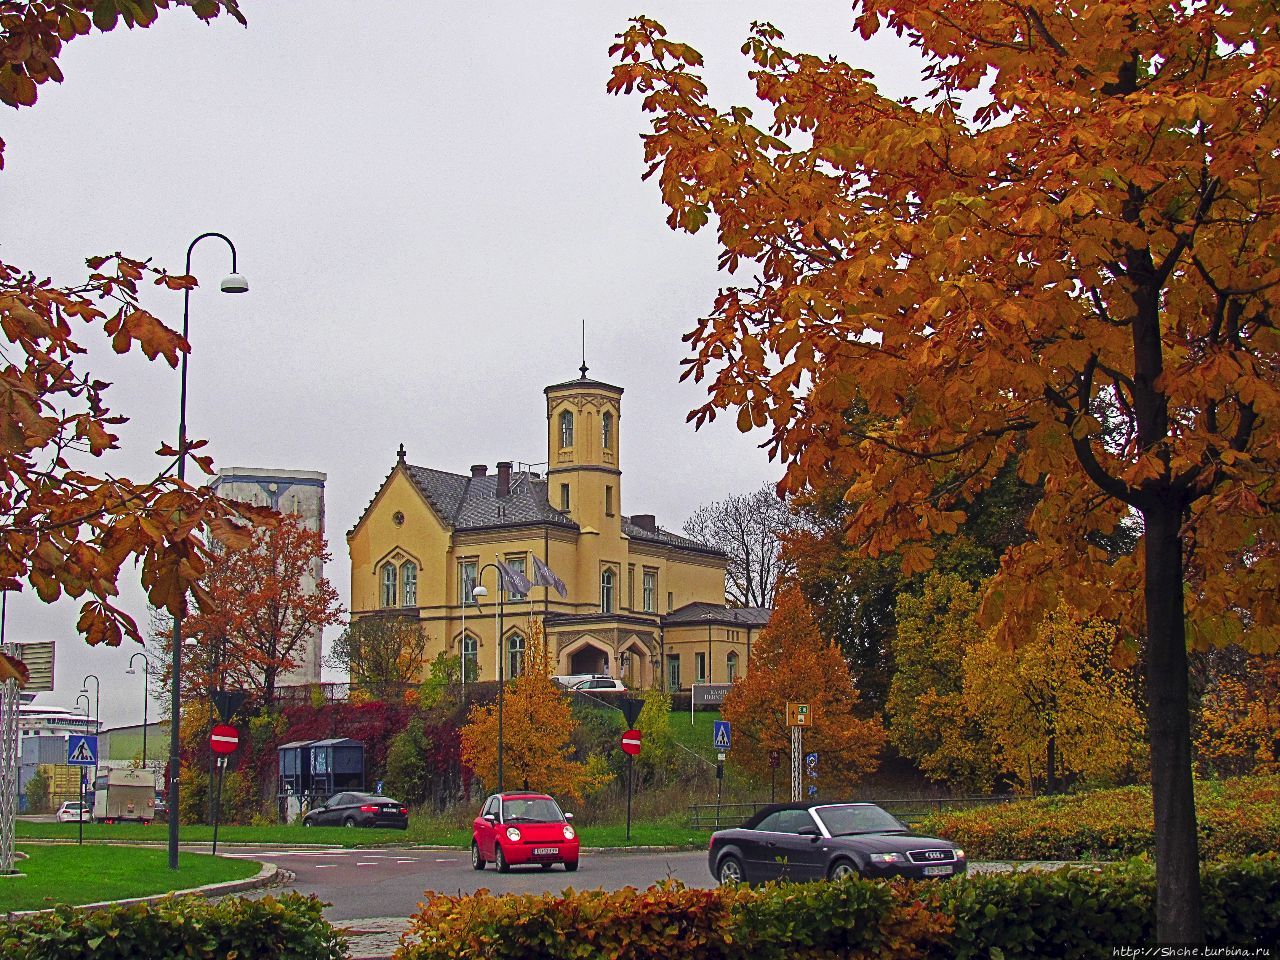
{"points": [[265, 877]]}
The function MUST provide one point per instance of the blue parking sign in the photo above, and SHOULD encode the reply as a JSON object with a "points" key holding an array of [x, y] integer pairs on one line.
{"points": [[720, 737]]}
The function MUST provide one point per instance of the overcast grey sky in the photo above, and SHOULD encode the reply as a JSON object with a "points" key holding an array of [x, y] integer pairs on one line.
{"points": [[427, 200]]}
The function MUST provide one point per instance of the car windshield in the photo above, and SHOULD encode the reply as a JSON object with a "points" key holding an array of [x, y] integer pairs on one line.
{"points": [[531, 810], [842, 820]]}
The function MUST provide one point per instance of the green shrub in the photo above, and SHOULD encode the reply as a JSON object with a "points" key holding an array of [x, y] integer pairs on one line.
{"points": [[1070, 913], [185, 928], [38, 794], [1237, 818]]}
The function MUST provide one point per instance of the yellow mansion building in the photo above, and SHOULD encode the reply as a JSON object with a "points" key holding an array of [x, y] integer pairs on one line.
{"points": [[642, 604]]}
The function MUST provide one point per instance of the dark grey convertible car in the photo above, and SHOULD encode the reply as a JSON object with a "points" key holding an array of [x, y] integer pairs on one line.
{"points": [[827, 840]]}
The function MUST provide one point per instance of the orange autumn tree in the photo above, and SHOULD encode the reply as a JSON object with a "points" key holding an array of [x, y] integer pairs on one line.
{"points": [[792, 663], [1240, 720], [68, 522], [537, 724], [1064, 252], [266, 604]]}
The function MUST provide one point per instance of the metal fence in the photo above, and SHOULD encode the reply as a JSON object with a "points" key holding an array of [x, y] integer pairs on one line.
{"points": [[719, 816]]}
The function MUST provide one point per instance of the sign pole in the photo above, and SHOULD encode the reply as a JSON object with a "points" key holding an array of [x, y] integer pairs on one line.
{"points": [[217, 803], [630, 781], [796, 735], [80, 814]]}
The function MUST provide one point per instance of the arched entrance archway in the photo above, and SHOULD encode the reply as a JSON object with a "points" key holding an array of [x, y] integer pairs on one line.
{"points": [[589, 659]]}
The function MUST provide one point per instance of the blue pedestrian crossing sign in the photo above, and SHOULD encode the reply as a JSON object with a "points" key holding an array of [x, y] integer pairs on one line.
{"points": [[82, 751], [720, 739]]}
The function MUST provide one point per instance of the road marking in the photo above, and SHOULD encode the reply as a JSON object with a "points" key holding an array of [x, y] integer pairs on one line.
{"points": [[406, 861], [325, 866], [446, 859], [367, 863]]}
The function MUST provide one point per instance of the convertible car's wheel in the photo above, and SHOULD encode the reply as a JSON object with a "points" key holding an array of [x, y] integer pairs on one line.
{"points": [[500, 859], [730, 871], [841, 869], [477, 861], [349, 822]]}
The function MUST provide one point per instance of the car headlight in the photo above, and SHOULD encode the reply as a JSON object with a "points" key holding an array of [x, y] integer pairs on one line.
{"points": [[959, 853], [888, 858], [568, 832], [513, 834]]}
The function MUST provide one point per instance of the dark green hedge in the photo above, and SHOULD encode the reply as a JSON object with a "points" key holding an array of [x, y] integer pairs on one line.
{"points": [[1070, 913], [184, 928]]}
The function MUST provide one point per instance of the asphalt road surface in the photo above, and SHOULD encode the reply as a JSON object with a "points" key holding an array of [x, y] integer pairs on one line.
{"points": [[360, 884]]}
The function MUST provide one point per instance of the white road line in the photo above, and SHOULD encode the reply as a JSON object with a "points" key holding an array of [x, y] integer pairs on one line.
{"points": [[446, 859], [406, 861], [367, 863], [325, 866]]}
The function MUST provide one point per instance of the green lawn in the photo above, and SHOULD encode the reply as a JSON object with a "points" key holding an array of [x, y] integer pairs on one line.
{"points": [[75, 875], [697, 735], [278, 834]]}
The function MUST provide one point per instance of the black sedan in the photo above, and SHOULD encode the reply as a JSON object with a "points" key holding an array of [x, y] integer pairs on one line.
{"points": [[827, 841], [359, 810]]}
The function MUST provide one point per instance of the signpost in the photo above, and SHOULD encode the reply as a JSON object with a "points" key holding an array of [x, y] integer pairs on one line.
{"points": [[721, 735], [632, 741], [82, 751], [224, 740], [706, 695], [797, 719]]}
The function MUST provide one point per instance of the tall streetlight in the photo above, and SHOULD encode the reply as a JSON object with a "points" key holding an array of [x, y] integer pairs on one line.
{"points": [[146, 695], [85, 698], [231, 283], [97, 716], [479, 592]]}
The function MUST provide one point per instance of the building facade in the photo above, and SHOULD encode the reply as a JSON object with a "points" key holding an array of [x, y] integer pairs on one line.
{"points": [[298, 492], [642, 604]]}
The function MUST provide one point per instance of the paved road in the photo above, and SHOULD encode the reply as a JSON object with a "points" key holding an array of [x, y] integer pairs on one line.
{"points": [[387, 882]]}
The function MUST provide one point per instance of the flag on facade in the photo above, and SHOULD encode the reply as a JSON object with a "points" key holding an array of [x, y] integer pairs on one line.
{"points": [[515, 583], [543, 577]]}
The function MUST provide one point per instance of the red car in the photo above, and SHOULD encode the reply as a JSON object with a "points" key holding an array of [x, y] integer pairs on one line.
{"points": [[518, 828]]}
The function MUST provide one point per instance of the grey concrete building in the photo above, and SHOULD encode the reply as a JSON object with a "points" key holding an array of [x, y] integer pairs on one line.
{"points": [[289, 491]]}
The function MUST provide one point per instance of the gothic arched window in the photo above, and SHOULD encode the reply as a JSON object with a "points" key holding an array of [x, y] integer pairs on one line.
{"points": [[606, 591], [409, 584], [566, 429], [515, 655], [606, 431], [388, 584]]}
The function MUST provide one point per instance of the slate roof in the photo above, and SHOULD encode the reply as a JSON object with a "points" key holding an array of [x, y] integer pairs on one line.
{"points": [[667, 538], [693, 613], [471, 503]]}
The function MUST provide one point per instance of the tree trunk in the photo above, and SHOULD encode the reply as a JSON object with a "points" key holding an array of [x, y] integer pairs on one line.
{"points": [[1052, 771], [1178, 907]]}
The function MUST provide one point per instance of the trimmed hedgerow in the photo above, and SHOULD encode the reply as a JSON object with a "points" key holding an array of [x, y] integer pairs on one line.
{"points": [[1070, 913], [181, 928], [1237, 817]]}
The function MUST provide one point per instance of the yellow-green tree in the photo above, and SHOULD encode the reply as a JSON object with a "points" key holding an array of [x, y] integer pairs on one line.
{"points": [[793, 663], [537, 724], [1240, 720], [928, 719], [1056, 705]]}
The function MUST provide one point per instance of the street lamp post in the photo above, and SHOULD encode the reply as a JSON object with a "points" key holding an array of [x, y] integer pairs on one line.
{"points": [[97, 715], [479, 592], [231, 283], [146, 695], [85, 698]]}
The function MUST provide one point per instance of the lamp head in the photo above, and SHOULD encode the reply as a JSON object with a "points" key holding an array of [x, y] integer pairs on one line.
{"points": [[130, 672], [234, 283], [84, 689], [479, 592]]}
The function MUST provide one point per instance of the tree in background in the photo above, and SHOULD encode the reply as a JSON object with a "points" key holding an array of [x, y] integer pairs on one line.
{"points": [[654, 721], [265, 607], [792, 663], [1079, 270], [537, 727], [928, 717], [749, 529], [1057, 706], [1240, 720], [382, 654], [68, 527]]}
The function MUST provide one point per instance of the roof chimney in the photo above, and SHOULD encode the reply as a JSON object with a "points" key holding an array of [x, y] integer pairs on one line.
{"points": [[504, 478], [645, 521], [479, 469]]}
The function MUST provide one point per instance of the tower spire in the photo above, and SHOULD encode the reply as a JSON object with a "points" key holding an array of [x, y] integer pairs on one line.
{"points": [[583, 368]]}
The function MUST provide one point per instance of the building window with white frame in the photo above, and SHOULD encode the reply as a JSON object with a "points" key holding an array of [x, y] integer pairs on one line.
{"points": [[470, 659], [731, 666], [409, 584], [650, 591], [606, 431], [467, 582], [608, 501], [606, 591], [566, 430], [700, 667], [564, 497], [673, 672], [515, 655], [389, 584]]}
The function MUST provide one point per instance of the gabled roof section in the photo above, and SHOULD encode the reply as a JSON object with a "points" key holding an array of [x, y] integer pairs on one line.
{"points": [[711, 613], [472, 503], [667, 539]]}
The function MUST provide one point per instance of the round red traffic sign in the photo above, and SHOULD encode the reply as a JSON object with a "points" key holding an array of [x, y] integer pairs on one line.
{"points": [[631, 742], [224, 739]]}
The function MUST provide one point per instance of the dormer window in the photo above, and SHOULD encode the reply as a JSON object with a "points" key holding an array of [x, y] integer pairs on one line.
{"points": [[566, 430], [606, 431]]}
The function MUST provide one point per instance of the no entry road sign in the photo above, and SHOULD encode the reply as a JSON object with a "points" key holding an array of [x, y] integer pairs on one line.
{"points": [[224, 738], [631, 741]]}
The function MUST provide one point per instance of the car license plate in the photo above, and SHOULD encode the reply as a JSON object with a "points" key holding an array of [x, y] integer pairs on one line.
{"points": [[938, 871], [545, 851]]}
